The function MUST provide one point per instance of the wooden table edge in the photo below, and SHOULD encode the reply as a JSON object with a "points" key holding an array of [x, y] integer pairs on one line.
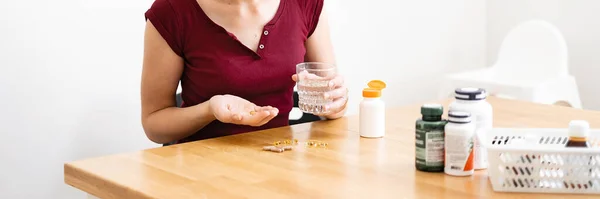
{"points": [[96, 185]]}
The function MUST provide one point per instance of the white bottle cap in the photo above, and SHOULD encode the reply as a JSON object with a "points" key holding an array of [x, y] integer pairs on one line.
{"points": [[470, 94], [579, 128]]}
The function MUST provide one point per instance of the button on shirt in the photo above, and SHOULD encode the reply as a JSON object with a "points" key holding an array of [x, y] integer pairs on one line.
{"points": [[216, 63]]}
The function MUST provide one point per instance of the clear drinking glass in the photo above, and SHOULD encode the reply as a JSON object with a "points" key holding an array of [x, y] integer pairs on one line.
{"points": [[313, 82]]}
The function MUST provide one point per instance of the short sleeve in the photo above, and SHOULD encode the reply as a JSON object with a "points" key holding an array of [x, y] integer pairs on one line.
{"points": [[164, 18], [312, 11]]}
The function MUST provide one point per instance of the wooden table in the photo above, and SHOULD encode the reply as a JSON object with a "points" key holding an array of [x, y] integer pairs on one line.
{"points": [[350, 167]]}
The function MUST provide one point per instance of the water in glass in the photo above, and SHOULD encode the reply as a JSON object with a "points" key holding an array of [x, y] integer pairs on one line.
{"points": [[313, 82]]}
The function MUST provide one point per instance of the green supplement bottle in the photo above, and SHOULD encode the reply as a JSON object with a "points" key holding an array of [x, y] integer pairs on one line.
{"points": [[430, 139]]}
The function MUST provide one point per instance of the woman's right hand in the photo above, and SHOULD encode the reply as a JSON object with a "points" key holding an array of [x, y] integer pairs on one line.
{"points": [[236, 110]]}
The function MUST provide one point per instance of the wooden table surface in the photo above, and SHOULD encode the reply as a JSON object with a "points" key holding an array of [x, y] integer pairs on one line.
{"points": [[350, 166]]}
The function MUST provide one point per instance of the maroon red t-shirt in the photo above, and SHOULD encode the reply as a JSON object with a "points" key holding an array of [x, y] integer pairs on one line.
{"points": [[216, 63]]}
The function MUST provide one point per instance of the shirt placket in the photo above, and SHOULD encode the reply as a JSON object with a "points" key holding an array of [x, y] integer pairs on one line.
{"points": [[262, 47]]}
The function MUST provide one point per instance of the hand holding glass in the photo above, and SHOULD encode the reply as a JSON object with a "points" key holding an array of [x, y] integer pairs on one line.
{"points": [[314, 80]]}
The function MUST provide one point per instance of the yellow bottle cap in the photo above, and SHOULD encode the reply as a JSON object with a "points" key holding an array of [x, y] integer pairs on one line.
{"points": [[374, 90], [376, 84], [369, 92]]}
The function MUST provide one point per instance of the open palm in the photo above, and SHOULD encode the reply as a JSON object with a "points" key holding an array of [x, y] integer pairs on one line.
{"points": [[236, 110]]}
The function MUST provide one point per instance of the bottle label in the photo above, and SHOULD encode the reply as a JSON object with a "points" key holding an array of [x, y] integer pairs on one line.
{"points": [[459, 153], [483, 122], [430, 148]]}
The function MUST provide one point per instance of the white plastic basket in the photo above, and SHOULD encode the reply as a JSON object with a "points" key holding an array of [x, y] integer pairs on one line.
{"points": [[536, 160]]}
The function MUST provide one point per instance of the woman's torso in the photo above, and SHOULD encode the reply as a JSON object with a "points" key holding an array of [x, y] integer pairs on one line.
{"points": [[218, 61]]}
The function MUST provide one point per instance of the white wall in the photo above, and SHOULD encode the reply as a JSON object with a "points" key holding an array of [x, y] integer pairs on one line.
{"points": [[56, 58], [58, 104], [578, 20], [408, 44]]}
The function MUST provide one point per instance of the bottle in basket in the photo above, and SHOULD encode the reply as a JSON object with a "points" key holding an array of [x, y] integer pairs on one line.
{"points": [[473, 101], [579, 131], [458, 140]]}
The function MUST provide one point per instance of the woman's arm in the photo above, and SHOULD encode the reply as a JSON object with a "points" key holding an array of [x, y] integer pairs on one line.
{"points": [[320, 49], [318, 45], [163, 122]]}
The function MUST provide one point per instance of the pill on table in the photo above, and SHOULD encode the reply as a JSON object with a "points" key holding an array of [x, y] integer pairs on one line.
{"points": [[278, 150], [268, 148]]}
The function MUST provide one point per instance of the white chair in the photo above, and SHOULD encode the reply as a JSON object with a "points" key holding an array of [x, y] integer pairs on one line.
{"points": [[532, 65]]}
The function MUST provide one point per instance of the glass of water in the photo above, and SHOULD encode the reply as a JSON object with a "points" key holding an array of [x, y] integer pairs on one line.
{"points": [[313, 82]]}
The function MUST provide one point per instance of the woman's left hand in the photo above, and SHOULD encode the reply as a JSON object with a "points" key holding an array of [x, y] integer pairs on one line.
{"points": [[339, 95]]}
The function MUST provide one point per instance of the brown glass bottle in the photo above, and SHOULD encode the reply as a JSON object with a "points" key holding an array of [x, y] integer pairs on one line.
{"points": [[578, 142]]}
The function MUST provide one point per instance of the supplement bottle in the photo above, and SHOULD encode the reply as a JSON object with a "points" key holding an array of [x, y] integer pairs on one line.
{"points": [[473, 101], [578, 134], [458, 142], [372, 111], [429, 138]]}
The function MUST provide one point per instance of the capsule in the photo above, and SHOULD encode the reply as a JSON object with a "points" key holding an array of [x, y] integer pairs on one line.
{"points": [[278, 150], [268, 148]]}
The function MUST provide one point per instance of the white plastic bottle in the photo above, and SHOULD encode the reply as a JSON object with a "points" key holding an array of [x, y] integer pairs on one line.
{"points": [[372, 111], [473, 101], [458, 142]]}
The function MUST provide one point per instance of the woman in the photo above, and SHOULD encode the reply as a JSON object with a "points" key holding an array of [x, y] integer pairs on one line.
{"points": [[236, 63]]}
